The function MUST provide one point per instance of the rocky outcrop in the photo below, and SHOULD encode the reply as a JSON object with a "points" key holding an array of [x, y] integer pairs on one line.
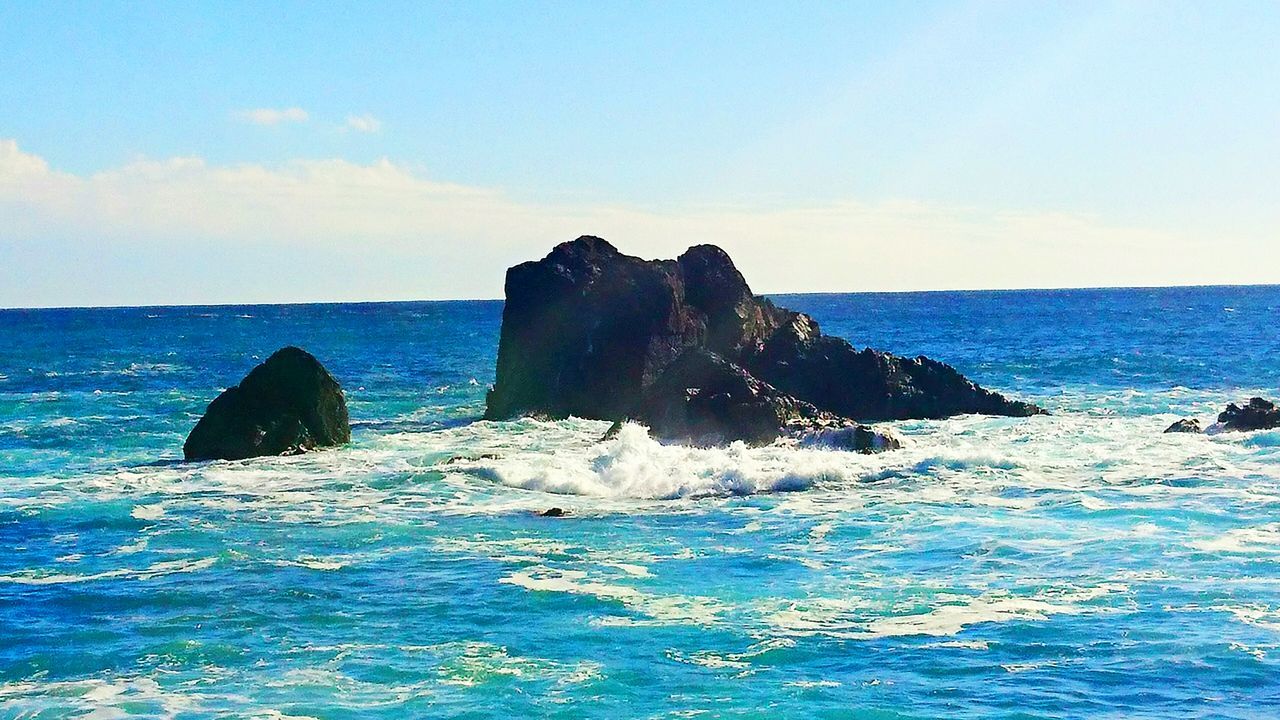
{"points": [[588, 331], [1186, 425], [585, 330], [868, 384], [703, 399], [286, 405], [1257, 414]]}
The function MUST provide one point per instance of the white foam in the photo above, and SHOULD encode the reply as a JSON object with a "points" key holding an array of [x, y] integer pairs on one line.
{"points": [[1257, 653], [863, 618], [102, 699], [312, 563], [633, 465], [992, 608], [630, 569], [37, 577], [809, 684], [148, 512], [1025, 667], [731, 661], [660, 609], [1264, 539], [1255, 614], [961, 644], [469, 664]]}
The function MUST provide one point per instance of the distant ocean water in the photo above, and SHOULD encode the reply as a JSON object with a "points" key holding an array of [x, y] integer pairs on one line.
{"points": [[1077, 565]]}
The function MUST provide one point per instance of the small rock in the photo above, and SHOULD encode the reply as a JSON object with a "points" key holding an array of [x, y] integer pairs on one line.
{"points": [[553, 512], [287, 405], [1186, 425], [469, 458]]}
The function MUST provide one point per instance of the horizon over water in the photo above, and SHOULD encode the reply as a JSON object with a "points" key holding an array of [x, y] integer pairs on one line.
{"points": [[788, 294], [1082, 564]]}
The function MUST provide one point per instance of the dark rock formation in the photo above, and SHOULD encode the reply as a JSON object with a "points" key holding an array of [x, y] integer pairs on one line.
{"points": [[1186, 425], [587, 331], [554, 512], [736, 323], [868, 384], [288, 404], [1257, 414], [703, 399], [612, 432]]}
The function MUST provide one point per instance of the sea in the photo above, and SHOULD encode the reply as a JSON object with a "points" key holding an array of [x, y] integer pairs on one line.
{"points": [[1078, 565]]}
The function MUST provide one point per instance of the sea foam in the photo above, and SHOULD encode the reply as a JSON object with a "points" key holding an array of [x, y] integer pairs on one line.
{"points": [[634, 465]]}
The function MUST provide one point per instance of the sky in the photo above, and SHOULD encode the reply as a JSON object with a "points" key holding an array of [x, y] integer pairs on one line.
{"points": [[185, 153]]}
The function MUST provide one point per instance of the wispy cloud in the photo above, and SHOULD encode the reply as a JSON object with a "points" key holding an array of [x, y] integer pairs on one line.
{"points": [[379, 231], [273, 116], [364, 123]]}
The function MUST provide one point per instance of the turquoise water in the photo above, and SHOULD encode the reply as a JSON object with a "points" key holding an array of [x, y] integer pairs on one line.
{"points": [[1078, 565]]}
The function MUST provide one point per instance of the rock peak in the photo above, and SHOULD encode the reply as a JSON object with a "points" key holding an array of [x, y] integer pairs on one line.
{"points": [[707, 252], [585, 244], [709, 270]]}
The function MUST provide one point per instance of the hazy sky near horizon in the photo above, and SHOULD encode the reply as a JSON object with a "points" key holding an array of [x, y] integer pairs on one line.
{"points": [[155, 153]]}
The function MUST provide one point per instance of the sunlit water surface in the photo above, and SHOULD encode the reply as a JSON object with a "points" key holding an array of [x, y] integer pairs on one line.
{"points": [[1078, 565]]}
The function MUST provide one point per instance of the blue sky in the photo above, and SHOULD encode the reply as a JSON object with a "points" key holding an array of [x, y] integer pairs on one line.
{"points": [[224, 152]]}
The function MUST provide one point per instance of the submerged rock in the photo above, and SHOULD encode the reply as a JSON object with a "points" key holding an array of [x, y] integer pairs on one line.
{"points": [[703, 399], [1186, 425], [286, 405], [858, 438], [589, 331], [1257, 414]]}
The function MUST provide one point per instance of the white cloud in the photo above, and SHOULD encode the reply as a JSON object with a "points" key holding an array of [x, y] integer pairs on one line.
{"points": [[273, 116], [364, 123], [182, 230]]}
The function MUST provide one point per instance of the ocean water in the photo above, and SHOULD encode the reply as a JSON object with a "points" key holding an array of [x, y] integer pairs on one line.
{"points": [[1077, 565]]}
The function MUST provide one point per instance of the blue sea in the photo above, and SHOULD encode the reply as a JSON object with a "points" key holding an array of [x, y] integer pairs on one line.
{"points": [[1078, 565]]}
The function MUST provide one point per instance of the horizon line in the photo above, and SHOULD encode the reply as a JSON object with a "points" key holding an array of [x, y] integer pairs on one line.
{"points": [[289, 303]]}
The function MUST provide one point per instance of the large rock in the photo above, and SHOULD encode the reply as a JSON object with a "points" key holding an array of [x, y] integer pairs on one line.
{"points": [[703, 399], [1257, 414], [286, 405], [587, 329]]}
